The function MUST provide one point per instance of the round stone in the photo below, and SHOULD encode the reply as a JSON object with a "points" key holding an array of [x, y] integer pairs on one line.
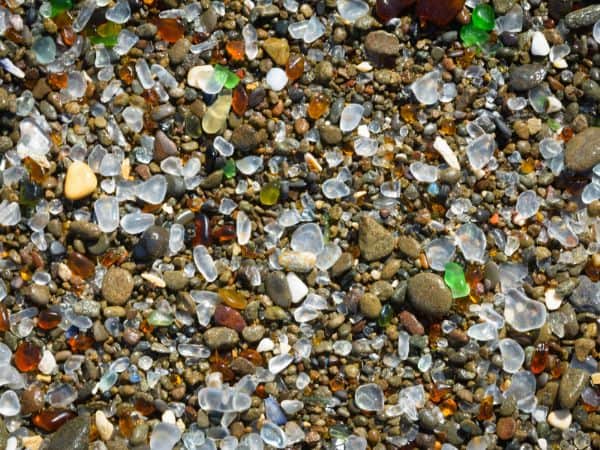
{"points": [[117, 286], [80, 181], [429, 295], [370, 306]]}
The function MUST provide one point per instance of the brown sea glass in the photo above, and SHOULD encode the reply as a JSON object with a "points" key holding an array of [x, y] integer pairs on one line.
{"points": [[27, 357]]}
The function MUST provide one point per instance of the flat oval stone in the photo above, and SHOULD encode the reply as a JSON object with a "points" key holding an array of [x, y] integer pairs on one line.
{"points": [[527, 76], [571, 386], [117, 286], [583, 150], [429, 295], [80, 181]]}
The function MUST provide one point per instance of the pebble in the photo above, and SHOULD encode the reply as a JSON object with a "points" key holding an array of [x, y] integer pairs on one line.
{"points": [[278, 49], [506, 428], [244, 138], [175, 280], [429, 295], [117, 286], [73, 435], [154, 242], [330, 134], [220, 338], [409, 246], [571, 386], [560, 419], [411, 323], [38, 294], [582, 152], [526, 76], [374, 241], [32, 400], [583, 17], [382, 43], [80, 181], [277, 288], [103, 425], [370, 306], [163, 147]]}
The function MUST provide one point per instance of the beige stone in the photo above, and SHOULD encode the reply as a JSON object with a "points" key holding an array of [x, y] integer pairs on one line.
{"points": [[80, 181], [278, 49]]}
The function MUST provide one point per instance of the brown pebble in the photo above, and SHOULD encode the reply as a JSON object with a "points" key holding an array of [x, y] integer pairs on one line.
{"points": [[411, 323], [32, 400], [506, 428]]}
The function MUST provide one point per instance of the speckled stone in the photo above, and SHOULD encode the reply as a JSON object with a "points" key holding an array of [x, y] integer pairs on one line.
{"points": [[429, 295]]}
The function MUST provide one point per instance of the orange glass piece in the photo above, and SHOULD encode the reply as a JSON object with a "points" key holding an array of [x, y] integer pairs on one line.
{"points": [[467, 57], [113, 256], [448, 126], [202, 228], [80, 265], [294, 67], [13, 35], [58, 80], [528, 166], [128, 421], [239, 100], [448, 407], [437, 12], [68, 36], [566, 134], [170, 30], [253, 356], [236, 50], [48, 319], [126, 74], [223, 368], [408, 113], [232, 298], [27, 357], [36, 173], [145, 327], [435, 332], [486, 408], [144, 407], [539, 360], [437, 394], [4, 318], [80, 343], [229, 317], [337, 384], [51, 420], [224, 234], [317, 106], [592, 271]]}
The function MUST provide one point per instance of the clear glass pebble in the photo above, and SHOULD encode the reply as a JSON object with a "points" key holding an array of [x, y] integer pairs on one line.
{"points": [[273, 435], [425, 173], [403, 345], [153, 190], [120, 13], [314, 30], [164, 436], [205, 263], [137, 222], [243, 228], [10, 404], [369, 397], [439, 252], [528, 204], [481, 150], [427, 88], [513, 355], [596, 31], [523, 313], [365, 147], [472, 243], [550, 148], [134, 118], [106, 210], [351, 117], [249, 165], [334, 188], [279, 363], [308, 238], [352, 10], [225, 148]]}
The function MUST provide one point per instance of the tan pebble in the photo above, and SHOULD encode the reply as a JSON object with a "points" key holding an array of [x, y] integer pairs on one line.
{"points": [[105, 428], [154, 279], [596, 378], [32, 442], [80, 181]]}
